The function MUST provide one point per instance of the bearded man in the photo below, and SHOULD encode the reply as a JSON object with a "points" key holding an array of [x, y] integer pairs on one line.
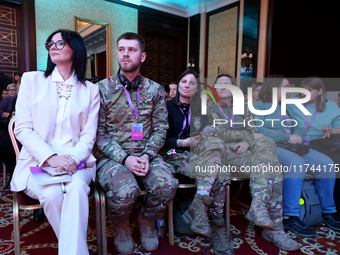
{"points": [[132, 129]]}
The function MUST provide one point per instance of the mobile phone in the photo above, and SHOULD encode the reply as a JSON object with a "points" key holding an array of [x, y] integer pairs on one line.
{"points": [[50, 170], [234, 149]]}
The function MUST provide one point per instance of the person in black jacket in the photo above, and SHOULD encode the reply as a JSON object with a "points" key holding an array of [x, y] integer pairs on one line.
{"points": [[187, 152]]}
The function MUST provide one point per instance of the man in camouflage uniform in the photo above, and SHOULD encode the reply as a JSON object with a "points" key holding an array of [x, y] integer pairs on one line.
{"points": [[209, 215], [205, 213], [260, 152], [212, 182], [124, 161]]}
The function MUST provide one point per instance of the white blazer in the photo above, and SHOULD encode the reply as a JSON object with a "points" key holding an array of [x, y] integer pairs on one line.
{"points": [[36, 111]]}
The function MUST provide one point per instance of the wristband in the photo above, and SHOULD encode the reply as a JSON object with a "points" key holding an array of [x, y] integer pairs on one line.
{"points": [[150, 156], [124, 159]]}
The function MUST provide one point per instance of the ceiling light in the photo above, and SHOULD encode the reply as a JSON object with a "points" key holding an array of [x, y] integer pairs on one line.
{"points": [[132, 1]]}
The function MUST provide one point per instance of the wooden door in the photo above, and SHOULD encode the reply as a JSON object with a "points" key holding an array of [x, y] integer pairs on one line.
{"points": [[165, 44], [160, 58]]}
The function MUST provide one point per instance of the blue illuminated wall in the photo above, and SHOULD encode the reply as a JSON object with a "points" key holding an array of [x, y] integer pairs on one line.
{"points": [[55, 14]]}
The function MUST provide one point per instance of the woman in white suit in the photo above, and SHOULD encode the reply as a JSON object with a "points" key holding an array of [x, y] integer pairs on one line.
{"points": [[56, 122]]}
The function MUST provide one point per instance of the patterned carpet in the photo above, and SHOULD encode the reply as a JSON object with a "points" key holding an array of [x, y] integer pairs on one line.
{"points": [[38, 238]]}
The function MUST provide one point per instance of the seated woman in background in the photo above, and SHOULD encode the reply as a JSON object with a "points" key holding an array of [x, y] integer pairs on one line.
{"points": [[184, 114], [245, 147], [12, 90], [3, 94], [17, 78], [256, 87], [8, 103], [56, 122], [173, 90], [324, 180], [324, 121]]}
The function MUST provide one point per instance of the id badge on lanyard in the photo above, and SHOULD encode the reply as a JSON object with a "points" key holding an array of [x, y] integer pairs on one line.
{"points": [[306, 139], [136, 131], [136, 128]]}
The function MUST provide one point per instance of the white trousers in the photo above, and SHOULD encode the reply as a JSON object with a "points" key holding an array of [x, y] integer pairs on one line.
{"points": [[67, 212]]}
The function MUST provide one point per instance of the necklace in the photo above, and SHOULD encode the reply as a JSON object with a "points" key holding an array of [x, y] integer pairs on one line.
{"points": [[64, 90]]}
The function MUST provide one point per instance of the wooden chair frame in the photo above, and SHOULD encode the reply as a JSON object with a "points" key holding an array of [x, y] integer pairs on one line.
{"points": [[103, 216]]}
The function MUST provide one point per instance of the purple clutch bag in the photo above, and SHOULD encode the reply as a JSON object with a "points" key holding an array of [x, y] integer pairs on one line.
{"points": [[82, 164]]}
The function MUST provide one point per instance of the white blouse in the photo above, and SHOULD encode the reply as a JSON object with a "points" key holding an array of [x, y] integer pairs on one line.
{"points": [[62, 134]]}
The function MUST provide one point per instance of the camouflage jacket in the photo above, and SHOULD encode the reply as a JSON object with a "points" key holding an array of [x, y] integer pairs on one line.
{"points": [[115, 119]]}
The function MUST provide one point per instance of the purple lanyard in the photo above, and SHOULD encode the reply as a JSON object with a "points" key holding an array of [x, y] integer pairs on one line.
{"points": [[225, 116], [135, 111], [283, 116], [185, 121], [312, 120]]}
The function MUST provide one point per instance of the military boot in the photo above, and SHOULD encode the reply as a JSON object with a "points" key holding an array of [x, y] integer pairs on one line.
{"points": [[196, 215], [280, 239], [122, 237], [219, 239], [258, 213], [148, 235]]}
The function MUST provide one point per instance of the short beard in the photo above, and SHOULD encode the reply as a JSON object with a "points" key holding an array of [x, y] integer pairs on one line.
{"points": [[129, 69]]}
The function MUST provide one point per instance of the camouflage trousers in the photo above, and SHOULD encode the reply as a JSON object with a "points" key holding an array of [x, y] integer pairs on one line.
{"points": [[122, 188], [185, 162], [258, 159]]}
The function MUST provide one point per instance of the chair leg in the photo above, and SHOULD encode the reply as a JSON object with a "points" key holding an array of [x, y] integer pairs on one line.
{"points": [[102, 219], [16, 225], [93, 209], [98, 222], [171, 223], [227, 208]]}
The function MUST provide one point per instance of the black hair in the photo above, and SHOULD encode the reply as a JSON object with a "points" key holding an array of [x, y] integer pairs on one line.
{"points": [[195, 101], [233, 81], [133, 36], [165, 86], [77, 44]]}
